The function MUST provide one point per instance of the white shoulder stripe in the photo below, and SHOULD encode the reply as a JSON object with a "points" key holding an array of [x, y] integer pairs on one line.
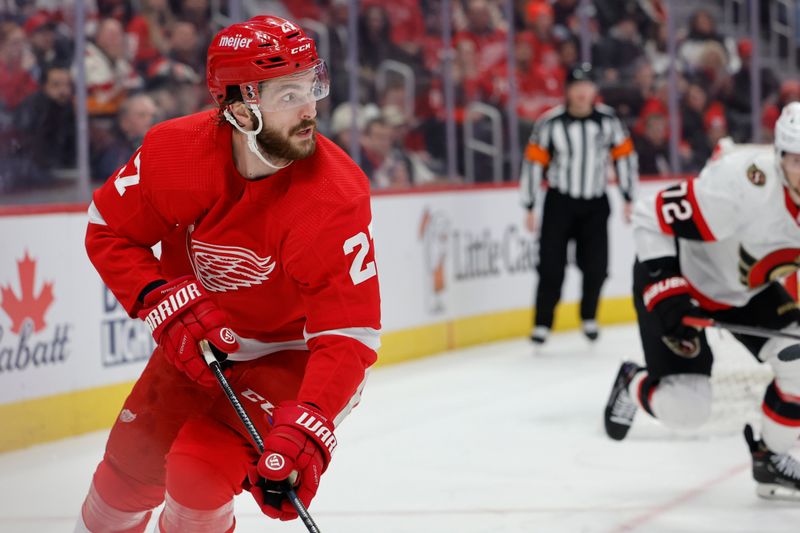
{"points": [[369, 337], [95, 217]]}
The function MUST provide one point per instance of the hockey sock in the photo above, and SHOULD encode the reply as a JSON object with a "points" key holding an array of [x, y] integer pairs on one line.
{"points": [[641, 389], [177, 518], [781, 420], [99, 517]]}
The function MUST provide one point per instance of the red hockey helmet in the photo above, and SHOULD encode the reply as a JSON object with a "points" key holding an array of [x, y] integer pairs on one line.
{"points": [[262, 48]]}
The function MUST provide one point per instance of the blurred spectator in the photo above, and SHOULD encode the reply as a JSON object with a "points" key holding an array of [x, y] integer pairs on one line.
{"points": [[120, 10], [185, 46], [789, 92], [702, 31], [136, 115], [716, 126], [693, 107], [540, 85], [374, 47], [488, 42], [646, 13], [712, 67], [16, 63], [45, 131], [376, 147], [407, 24], [539, 20], [342, 122], [384, 164], [198, 12], [629, 98], [567, 51], [294, 10], [701, 144], [49, 48], [176, 93], [653, 145], [656, 51], [109, 75], [147, 32], [339, 39], [738, 100], [564, 14], [407, 146], [182, 63], [618, 51]]}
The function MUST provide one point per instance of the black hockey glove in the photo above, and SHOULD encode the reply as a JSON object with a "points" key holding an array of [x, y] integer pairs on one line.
{"points": [[667, 297]]}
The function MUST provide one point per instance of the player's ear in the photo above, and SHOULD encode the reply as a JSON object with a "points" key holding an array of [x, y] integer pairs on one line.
{"points": [[242, 115]]}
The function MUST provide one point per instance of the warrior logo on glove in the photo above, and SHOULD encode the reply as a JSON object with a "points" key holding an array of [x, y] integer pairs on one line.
{"points": [[168, 306], [275, 461], [319, 429], [180, 314]]}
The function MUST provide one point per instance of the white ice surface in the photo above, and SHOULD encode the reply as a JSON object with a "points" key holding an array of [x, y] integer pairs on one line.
{"points": [[495, 439]]}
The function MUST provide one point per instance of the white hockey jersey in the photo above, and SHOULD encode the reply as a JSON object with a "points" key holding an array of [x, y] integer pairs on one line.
{"points": [[734, 227]]}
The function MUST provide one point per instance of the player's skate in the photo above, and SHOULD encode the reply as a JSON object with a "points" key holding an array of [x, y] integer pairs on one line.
{"points": [[777, 474], [539, 335], [620, 409], [590, 330]]}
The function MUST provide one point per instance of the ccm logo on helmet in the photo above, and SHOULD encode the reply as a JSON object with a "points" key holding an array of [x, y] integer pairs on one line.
{"points": [[235, 42], [300, 49]]}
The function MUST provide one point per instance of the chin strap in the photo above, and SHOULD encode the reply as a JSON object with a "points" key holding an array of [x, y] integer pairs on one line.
{"points": [[252, 143]]}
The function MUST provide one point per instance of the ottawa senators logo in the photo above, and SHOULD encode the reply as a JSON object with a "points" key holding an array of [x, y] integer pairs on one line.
{"points": [[756, 175], [773, 266]]}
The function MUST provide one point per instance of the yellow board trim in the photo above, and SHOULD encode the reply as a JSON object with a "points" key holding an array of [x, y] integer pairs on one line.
{"points": [[413, 343], [63, 415]]}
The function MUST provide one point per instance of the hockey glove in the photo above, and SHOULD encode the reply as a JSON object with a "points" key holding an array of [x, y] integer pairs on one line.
{"points": [[297, 449], [180, 314], [667, 297]]}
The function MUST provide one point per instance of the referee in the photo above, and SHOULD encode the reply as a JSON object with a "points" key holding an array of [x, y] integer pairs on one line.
{"points": [[569, 150]]}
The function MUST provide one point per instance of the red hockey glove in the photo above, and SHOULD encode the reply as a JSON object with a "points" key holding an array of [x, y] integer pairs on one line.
{"points": [[298, 448], [667, 297], [180, 314]]}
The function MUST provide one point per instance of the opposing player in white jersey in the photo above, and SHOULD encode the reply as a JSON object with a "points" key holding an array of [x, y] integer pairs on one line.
{"points": [[716, 246]]}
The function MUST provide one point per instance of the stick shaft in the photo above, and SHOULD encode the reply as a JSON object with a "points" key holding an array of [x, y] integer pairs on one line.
{"points": [[213, 364], [237, 405], [741, 329]]}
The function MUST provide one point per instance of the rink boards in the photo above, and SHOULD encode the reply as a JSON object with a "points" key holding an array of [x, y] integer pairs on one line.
{"points": [[456, 268]]}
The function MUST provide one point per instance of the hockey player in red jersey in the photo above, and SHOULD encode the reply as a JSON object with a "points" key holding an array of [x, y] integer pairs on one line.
{"points": [[267, 252], [717, 246]]}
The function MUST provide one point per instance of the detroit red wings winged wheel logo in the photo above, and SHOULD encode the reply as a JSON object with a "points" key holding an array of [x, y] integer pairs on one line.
{"points": [[27, 305], [229, 268]]}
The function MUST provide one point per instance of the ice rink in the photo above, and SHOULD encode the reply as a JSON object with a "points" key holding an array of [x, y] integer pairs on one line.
{"points": [[495, 438]]}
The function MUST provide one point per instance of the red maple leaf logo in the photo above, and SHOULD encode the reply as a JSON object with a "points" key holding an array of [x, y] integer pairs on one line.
{"points": [[27, 306]]}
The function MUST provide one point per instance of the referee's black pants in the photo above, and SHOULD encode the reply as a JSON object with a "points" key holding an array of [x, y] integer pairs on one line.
{"points": [[586, 222]]}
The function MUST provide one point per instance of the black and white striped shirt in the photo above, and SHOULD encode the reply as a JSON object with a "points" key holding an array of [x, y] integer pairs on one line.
{"points": [[572, 154]]}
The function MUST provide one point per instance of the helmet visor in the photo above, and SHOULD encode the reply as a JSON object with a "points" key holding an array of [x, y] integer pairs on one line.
{"points": [[296, 89]]}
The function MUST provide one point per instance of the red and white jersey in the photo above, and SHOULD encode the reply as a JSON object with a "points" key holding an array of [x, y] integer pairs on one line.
{"points": [[289, 258], [734, 227]]}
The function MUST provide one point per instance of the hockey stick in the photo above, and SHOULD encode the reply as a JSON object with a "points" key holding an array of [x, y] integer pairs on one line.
{"points": [[756, 331], [286, 486]]}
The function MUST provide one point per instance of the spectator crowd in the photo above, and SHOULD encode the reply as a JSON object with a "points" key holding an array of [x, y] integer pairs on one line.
{"points": [[145, 62]]}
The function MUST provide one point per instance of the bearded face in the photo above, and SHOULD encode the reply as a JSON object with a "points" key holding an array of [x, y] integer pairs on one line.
{"points": [[298, 142]]}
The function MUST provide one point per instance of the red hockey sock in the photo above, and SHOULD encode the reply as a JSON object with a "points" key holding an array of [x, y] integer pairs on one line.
{"points": [[117, 503], [97, 516], [177, 518]]}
